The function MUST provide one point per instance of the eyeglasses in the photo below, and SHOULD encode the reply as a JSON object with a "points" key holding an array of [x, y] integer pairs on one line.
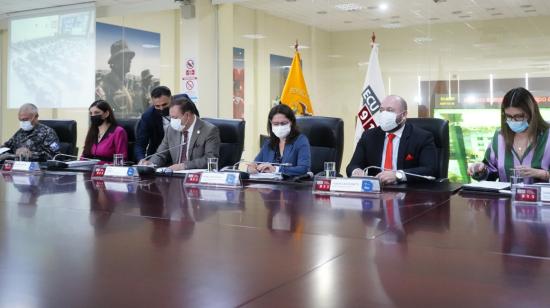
{"points": [[280, 123], [516, 117]]}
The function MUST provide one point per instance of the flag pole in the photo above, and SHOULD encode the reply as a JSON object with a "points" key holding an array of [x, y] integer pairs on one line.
{"points": [[373, 40], [296, 45]]}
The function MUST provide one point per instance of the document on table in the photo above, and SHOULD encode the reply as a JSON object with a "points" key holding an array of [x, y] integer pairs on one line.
{"points": [[81, 163], [487, 186], [186, 171], [266, 176]]}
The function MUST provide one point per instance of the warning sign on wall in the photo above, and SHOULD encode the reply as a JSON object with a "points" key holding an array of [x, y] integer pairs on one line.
{"points": [[189, 80]]}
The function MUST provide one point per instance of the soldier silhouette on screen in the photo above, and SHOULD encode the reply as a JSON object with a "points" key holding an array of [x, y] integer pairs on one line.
{"points": [[114, 87]]}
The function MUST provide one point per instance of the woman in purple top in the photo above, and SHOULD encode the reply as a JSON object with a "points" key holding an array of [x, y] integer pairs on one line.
{"points": [[105, 138], [522, 142]]}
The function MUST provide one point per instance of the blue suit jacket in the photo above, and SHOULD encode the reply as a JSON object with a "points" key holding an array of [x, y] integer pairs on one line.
{"points": [[297, 154], [150, 133]]}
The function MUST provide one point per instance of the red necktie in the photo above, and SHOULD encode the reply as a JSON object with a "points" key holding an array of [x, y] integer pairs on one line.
{"points": [[388, 161], [183, 153]]}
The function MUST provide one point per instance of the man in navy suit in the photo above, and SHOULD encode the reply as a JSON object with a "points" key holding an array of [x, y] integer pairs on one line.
{"points": [[153, 123], [395, 147]]}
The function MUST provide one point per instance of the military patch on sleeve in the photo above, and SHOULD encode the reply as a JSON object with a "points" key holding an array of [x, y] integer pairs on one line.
{"points": [[54, 146]]}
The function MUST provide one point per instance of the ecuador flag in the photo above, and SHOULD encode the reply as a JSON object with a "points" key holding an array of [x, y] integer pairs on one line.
{"points": [[295, 91]]}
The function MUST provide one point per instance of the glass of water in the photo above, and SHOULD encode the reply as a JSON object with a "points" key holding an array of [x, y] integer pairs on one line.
{"points": [[516, 177], [330, 169], [212, 164], [118, 160]]}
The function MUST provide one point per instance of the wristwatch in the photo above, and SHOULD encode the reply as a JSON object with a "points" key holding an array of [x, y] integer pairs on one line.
{"points": [[399, 175]]}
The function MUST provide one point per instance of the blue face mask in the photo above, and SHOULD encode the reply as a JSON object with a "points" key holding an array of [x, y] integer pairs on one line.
{"points": [[517, 126]]}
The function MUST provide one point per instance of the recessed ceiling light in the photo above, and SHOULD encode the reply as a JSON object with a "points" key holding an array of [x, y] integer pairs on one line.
{"points": [[383, 6], [372, 7], [456, 12], [496, 14], [394, 17], [490, 9], [376, 19], [464, 16], [335, 56], [347, 21], [322, 12], [290, 0], [530, 11], [434, 18], [349, 7], [254, 36], [525, 6]]}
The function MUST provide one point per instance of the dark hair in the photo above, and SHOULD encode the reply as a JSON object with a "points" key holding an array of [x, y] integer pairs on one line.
{"points": [[287, 112], [161, 91], [523, 99], [185, 104], [93, 131]]}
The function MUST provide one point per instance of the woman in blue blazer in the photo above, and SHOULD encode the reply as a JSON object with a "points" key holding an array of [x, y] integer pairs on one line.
{"points": [[285, 145]]}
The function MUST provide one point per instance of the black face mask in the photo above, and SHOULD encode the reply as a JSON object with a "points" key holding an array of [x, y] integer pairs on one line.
{"points": [[163, 112], [96, 120]]}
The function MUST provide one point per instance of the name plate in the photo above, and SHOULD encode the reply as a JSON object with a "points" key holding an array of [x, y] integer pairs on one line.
{"points": [[115, 172], [538, 192], [214, 178], [350, 185], [21, 166]]}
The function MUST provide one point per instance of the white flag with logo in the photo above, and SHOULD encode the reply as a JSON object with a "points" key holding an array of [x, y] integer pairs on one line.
{"points": [[372, 94]]}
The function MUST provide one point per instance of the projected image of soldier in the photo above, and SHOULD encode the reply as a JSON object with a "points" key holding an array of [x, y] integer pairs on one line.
{"points": [[114, 86]]}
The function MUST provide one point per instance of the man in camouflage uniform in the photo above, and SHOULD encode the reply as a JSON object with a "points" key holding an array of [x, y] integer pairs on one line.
{"points": [[33, 141], [114, 87]]}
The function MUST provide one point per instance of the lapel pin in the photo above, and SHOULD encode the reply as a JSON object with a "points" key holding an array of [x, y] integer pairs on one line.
{"points": [[198, 132]]}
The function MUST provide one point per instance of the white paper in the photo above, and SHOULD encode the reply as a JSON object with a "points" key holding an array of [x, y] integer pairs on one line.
{"points": [[487, 185], [80, 163], [266, 176], [187, 171], [4, 150]]}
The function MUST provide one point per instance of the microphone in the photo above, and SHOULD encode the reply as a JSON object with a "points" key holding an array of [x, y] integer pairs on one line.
{"points": [[57, 164], [427, 177], [164, 151], [71, 156]]}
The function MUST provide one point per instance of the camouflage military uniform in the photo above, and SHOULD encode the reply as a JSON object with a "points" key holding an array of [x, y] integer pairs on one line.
{"points": [[42, 141]]}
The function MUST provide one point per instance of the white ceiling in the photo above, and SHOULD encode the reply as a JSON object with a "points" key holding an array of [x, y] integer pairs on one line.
{"points": [[400, 13], [324, 14]]}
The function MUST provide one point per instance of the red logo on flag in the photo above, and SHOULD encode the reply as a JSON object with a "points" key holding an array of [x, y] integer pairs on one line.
{"points": [[366, 118]]}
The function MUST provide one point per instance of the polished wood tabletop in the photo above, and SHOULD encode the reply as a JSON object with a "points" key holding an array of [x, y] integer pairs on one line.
{"points": [[69, 241]]}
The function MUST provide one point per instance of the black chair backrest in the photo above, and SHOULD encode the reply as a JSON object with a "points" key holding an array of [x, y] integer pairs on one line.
{"points": [[66, 132], [440, 130], [130, 126], [326, 138], [232, 140]]}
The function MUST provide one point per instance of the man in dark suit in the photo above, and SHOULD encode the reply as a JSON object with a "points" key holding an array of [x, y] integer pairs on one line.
{"points": [[153, 123], [188, 141], [395, 147]]}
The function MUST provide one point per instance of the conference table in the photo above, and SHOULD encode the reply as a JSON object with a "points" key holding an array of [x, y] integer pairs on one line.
{"points": [[67, 240]]}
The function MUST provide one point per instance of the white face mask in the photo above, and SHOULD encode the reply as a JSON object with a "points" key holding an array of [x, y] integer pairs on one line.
{"points": [[176, 124], [281, 131], [388, 120], [25, 125]]}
